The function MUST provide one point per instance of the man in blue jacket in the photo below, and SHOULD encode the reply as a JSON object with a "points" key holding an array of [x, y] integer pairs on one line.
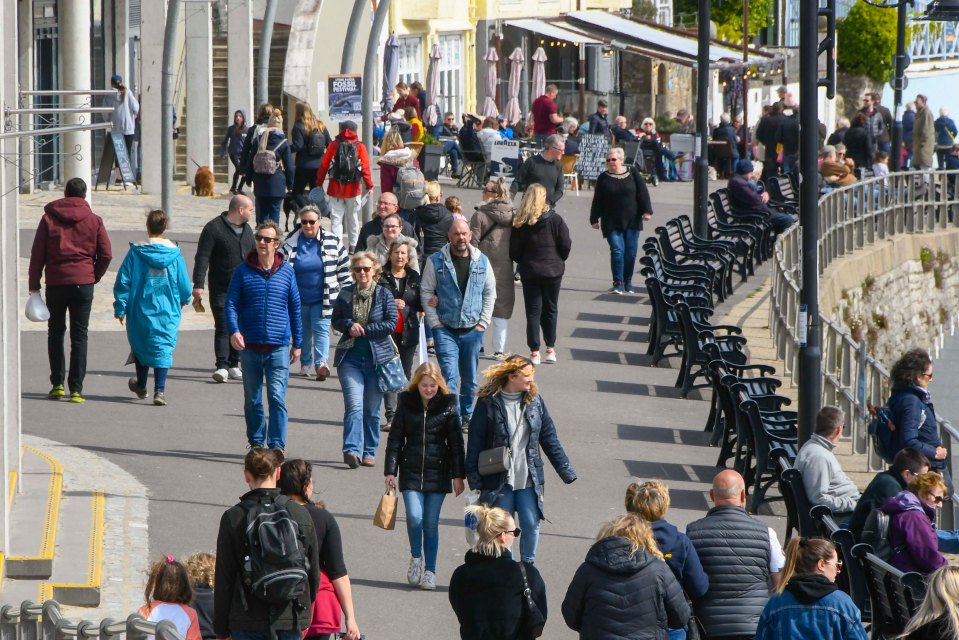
{"points": [[263, 315]]}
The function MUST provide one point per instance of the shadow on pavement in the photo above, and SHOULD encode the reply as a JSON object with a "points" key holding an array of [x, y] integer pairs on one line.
{"points": [[611, 357], [664, 435], [617, 335], [612, 318], [637, 389], [675, 471], [397, 586]]}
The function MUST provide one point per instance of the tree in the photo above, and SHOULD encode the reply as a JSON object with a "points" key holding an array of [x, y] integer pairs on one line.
{"points": [[866, 41], [728, 16], [644, 9]]}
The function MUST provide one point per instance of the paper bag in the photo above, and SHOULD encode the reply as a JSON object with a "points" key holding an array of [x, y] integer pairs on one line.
{"points": [[385, 516]]}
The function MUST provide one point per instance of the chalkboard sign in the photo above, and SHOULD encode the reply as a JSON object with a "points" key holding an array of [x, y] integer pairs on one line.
{"points": [[115, 154], [592, 155]]}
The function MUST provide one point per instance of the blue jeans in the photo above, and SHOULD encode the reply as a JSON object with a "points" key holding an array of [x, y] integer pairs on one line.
{"points": [[525, 505], [316, 335], [361, 403], [159, 376], [452, 149], [622, 254], [458, 357], [677, 634], [423, 524], [265, 635], [268, 209], [275, 366]]}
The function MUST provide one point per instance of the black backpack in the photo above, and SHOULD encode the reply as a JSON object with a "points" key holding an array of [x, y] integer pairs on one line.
{"points": [[316, 146], [276, 568], [345, 167], [875, 533]]}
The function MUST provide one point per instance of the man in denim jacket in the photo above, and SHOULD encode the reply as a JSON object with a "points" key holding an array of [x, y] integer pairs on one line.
{"points": [[458, 290]]}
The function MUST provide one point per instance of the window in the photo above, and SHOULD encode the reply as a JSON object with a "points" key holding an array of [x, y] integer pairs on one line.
{"points": [[411, 59], [451, 74], [664, 12]]}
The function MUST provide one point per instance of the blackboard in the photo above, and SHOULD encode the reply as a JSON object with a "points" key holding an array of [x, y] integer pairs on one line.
{"points": [[592, 155], [115, 154]]}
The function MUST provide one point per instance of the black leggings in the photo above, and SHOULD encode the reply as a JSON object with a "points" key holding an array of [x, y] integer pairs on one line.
{"points": [[237, 175], [541, 298]]}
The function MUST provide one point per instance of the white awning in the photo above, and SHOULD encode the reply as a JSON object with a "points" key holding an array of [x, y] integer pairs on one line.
{"points": [[552, 30]]}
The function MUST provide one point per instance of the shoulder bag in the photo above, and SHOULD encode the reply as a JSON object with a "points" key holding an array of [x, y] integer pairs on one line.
{"points": [[533, 620], [495, 460], [390, 376]]}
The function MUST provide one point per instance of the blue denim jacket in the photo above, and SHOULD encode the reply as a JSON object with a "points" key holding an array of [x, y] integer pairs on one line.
{"points": [[833, 616], [458, 310]]}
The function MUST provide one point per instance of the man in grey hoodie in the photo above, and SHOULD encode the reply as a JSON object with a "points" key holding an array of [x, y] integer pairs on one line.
{"points": [[823, 478]]}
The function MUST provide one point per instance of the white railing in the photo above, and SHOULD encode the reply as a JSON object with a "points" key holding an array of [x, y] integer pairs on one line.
{"points": [[931, 41]]}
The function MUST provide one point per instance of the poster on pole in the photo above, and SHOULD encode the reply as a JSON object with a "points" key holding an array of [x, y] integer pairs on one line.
{"points": [[345, 96]]}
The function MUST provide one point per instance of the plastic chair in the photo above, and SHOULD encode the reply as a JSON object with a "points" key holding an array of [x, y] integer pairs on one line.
{"points": [[569, 170]]}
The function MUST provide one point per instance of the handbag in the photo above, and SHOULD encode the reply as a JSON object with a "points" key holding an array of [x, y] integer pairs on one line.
{"points": [[385, 516], [534, 621], [390, 376], [495, 460]]}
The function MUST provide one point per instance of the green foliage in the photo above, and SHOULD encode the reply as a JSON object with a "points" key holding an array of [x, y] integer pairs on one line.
{"points": [[867, 41], [666, 124], [644, 9], [925, 259], [867, 284], [728, 16], [428, 139]]}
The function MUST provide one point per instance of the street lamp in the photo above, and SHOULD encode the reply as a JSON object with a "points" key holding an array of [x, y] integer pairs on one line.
{"points": [[942, 10]]}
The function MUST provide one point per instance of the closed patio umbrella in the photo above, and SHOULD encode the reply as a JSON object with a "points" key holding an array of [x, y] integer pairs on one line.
{"points": [[512, 110], [432, 115], [539, 73], [391, 70], [489, 105]]}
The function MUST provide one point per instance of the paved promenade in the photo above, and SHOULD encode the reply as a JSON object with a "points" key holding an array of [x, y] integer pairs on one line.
{"points": [[617, 417]]}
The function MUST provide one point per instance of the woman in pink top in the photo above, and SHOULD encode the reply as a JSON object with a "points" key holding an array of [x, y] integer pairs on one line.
{"points": [[168, 595]]}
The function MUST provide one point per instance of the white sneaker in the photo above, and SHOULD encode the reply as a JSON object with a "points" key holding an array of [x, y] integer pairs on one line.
{"points": [[415, 573], [236, 373], [428, 583], [221, 375], [535, 357], [306, 370], [551, 356]]}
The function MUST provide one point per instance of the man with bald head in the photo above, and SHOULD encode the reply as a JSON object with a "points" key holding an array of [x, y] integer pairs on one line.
{"points": [[458, 290], [386, 204], [224, 243], [742, 557]]}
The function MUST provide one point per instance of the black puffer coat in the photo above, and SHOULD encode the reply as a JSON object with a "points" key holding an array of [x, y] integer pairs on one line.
{"points": [[540, 250], [617, 595], [425, 446], [433, 221]]}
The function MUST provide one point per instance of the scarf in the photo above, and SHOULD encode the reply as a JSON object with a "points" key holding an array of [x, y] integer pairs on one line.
{"points": [[362, 303]]}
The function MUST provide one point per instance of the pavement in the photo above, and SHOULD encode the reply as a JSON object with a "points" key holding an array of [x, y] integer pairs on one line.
{"points": [[618, 419]]}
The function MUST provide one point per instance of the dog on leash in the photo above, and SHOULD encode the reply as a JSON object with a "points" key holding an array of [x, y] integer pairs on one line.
{"points": [[203, 182]]}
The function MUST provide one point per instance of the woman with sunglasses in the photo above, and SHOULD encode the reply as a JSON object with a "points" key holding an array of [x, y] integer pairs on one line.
{"points": [[510, 413], [807, 603], [912, 410], [912, 524], [322, 267], [365, 314], [620, 206], [487, 590]]}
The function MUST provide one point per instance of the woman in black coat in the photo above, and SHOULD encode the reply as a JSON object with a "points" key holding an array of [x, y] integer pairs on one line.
{"points": [[540, 244], [404, 284], [426, 448], [624, 589], [308, 156], [620, 206], [486, 591], [859, 146]]}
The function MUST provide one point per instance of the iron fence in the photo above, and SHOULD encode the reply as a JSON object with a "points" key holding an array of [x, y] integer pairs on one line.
{"points": [[33, 621]]}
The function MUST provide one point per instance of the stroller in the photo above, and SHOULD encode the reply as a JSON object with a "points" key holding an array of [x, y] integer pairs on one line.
{"points": [[645, 164]]}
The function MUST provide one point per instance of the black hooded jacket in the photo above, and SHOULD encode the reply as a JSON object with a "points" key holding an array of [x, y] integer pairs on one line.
{"points": [[434, 221], [425, 446], [541, 249]]}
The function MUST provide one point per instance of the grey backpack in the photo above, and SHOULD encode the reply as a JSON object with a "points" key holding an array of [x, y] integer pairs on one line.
{"points": [[265, 161], [412, 186]]}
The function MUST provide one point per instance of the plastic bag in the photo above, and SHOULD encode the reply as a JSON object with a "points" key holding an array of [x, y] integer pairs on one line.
{"points": [[423, 354], [469, 521], [36, 310]]}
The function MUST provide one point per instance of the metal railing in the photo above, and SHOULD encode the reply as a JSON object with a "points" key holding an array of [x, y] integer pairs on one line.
{"points": [[33, 621], [933, 41], [852, 218]]}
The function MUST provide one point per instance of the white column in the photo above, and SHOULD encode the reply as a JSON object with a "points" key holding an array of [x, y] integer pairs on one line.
{"points": [[75, 74], [198, 17], [152, 25], [25, 52], [121, 29], [240, 62]]}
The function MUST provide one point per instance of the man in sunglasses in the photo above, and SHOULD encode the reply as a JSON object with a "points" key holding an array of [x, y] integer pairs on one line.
{"points": [[264, 316], [822, 476], [386, 205]]}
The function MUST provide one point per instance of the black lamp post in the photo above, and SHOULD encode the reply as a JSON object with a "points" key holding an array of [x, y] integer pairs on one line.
{"points": [[701, 176]]}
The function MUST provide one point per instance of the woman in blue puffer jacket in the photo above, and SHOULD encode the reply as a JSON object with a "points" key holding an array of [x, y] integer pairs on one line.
{"points": [[911, 406], [808, 604]]}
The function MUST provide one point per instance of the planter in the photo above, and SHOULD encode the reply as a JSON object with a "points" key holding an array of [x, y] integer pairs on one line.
{"points": [[430, 160]]}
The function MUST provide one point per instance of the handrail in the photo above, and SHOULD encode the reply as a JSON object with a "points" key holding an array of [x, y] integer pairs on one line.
{"points": [[32, 621]]}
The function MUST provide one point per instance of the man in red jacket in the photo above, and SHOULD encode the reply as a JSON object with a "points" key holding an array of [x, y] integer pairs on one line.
{"points": [[72, 246], [349, 171]]}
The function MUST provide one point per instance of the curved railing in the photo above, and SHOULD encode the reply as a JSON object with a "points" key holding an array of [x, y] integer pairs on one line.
{"points": [[852, 218], [31, 621]]}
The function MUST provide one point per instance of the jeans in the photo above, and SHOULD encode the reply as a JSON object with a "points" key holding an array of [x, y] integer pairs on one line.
{"points": [[525, 504], [275, 366], [499, 328], [458, 357], [780, 221], [361, 404], [78, 300], [159, 376], [316, 335], [268, 209], [790, 164], [406, 357], [541, 298], [677, 634], [622, 255], [226, 355], [452, 150], [423, 524], [345, 212]]}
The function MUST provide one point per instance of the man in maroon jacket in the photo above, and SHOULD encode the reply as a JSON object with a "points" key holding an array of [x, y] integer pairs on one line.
{"points": [[72, 245]]}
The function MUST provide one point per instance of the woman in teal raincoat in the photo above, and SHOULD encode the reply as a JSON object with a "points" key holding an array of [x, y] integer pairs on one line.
{"points": [[151, 288]]}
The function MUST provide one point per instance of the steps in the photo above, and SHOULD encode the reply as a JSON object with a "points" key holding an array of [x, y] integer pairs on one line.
{"points": [[56, 545]]}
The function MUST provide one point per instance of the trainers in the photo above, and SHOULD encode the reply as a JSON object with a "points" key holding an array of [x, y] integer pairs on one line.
{"points": [[534, 357], [499, 355], [628, 288], [550, 355], [139, 392], [415, 573], [235, 373], [56, 392], [221, 375], [306, 370], [76, 398], [465, 424], [428, 583], [322, 372], [616, 290], [159, 399]]}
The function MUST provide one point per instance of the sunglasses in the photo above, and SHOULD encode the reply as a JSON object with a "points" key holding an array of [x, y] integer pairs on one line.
{"points": [[838, 563], [939, 499], [381, 203], [490, 191], [612, 159], [267, 239], [515, 532], [391, 226], [362, 269], [309, 223]]}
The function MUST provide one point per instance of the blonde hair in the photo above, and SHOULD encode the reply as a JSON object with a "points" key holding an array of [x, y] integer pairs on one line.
{"points": [[632, 527], [924, 483], [432, 370], [276, 120], [201, 567], [491, 523], [392, 140], [499, 374], [803, 556], [649, 499], [453, 204], [372, 257], [942, 594], [502, 190], [532, 207], [432, 189], [303, 113]]}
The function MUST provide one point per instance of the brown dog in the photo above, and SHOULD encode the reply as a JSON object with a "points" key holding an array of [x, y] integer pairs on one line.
{"points": [[203, 182]]}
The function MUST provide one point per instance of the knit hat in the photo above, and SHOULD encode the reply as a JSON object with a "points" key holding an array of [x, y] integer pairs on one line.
{"points": [[744, 167], [348, 124]]}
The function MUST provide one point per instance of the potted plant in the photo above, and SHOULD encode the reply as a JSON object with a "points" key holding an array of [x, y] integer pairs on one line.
{"points": [[431, 157]]}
